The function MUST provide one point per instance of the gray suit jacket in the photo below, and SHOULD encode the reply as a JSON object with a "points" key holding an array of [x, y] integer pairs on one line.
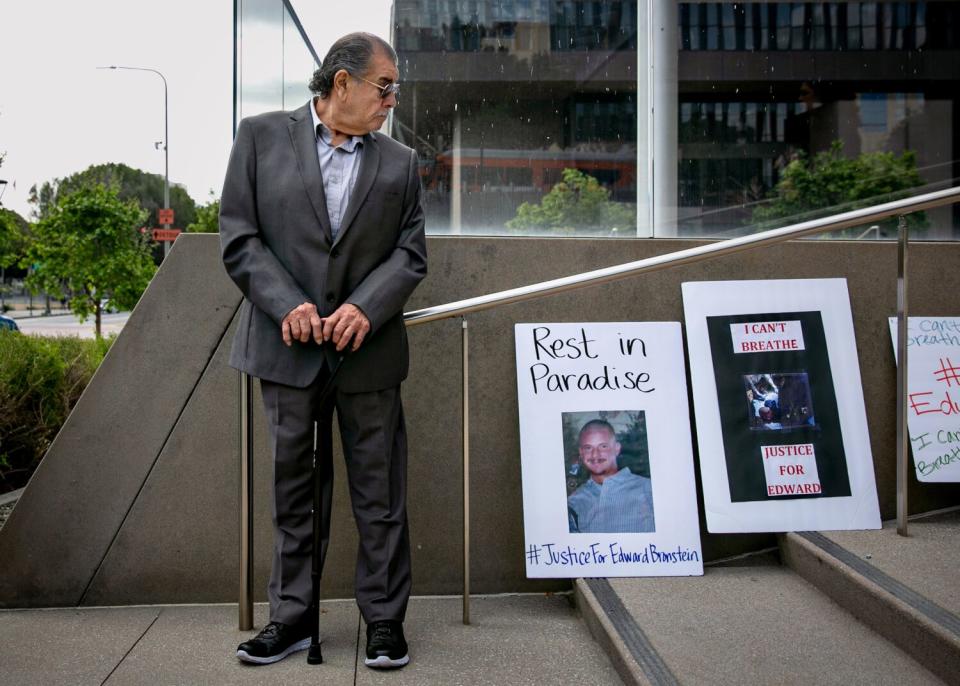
{"points": [[276, 244]]}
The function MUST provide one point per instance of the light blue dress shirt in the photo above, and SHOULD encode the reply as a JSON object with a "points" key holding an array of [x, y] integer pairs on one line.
{"points": [[338, 169], [623, 503]]}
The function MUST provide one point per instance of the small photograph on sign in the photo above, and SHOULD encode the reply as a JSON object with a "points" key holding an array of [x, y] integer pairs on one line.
{"points": [[607, 469], [778, 402]]}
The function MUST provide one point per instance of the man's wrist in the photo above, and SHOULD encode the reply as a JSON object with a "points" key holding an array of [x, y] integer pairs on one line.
{"points": [[360, 309]]}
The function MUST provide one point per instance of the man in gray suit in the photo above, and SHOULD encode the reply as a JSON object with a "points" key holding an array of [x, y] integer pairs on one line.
{"points": [[321, 227]]}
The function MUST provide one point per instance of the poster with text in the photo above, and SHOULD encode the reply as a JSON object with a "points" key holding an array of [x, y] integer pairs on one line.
{"points": [[781, 426], [933, 395], [606, 456]]}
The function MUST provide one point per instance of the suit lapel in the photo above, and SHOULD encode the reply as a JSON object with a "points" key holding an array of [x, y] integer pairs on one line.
{"points": [[304, 139], [369, 164]]}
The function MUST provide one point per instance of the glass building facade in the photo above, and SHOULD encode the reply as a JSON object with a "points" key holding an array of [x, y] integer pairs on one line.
{"points": [[273, 58], [648, 117], [871, 87]]}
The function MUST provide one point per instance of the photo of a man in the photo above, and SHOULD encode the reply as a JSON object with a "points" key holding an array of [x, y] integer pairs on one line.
{"points": [[778, 401], [612, 499]]}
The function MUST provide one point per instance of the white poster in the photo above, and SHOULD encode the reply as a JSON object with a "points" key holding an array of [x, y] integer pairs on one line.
{"points": [[933, 395], [606, 458], [781, 426]]}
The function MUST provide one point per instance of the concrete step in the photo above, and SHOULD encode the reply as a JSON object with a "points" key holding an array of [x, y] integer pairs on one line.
{"points": [[522, 640], [752, 624], [905, 588]]}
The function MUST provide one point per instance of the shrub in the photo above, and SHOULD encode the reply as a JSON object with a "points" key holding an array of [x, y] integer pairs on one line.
{"points": [[41, 380], [829, 180], [577, 204]]}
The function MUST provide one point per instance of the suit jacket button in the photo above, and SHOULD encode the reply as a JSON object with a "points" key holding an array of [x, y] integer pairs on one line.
{"points": [[335, 254], [330, 297]]}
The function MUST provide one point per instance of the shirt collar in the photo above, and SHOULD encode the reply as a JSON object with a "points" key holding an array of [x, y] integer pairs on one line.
{"points": [[614, 478], [324, 134]]}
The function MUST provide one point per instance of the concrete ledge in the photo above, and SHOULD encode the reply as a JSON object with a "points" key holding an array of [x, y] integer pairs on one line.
{"points": [[738, 625], [882, 603], [135, 501], [67, 518], [11, 497], [609, 636]]}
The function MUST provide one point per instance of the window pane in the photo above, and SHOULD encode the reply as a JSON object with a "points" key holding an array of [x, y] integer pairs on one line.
{"points": [[773, 138], [260, 57], [514, 108], [515, 105]]}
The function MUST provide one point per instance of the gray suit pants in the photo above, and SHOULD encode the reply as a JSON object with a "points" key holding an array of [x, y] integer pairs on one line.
{"points": [[375, 450]]}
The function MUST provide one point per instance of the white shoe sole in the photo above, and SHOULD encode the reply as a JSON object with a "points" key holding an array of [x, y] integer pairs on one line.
{"points": [[384, 662], [302, 644]]}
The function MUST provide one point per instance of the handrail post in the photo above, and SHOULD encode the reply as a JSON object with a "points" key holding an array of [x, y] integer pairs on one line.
{"points": [[903, 433], [246, 504], [465, 349]]}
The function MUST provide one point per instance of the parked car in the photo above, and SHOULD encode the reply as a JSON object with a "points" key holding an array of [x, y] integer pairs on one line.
{"points": [[8, 323]]}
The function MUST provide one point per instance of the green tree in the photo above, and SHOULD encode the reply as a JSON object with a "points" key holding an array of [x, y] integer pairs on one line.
{"points": [[89, 248], [577, 203], [13, 242], [208, 217], [830, 180], [133, 184], [13, 237]]}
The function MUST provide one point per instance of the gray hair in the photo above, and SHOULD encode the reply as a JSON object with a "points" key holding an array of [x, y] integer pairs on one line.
{"points": [[352, 53]]}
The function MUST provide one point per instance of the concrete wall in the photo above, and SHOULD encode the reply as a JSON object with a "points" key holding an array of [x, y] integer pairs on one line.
{"points": [[137, 499]]}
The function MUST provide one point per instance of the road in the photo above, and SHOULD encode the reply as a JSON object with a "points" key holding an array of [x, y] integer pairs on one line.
{"points": [[69, 325]]}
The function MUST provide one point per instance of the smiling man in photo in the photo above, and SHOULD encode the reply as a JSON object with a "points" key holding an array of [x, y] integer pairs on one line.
{"points": [[612, 499]]}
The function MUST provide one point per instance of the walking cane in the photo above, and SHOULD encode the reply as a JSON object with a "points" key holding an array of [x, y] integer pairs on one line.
{"points": [[322, 447]]}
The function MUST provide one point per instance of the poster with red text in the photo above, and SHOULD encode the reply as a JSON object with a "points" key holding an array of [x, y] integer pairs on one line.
{"points": [[933, 395], [781, 425]]}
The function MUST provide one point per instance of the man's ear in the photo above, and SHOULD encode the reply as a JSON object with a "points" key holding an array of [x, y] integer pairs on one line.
{"points": [[340, 82]]}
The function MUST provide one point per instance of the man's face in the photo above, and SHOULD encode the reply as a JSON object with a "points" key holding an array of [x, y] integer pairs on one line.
{"points": [[598, 452], [362, 109]]}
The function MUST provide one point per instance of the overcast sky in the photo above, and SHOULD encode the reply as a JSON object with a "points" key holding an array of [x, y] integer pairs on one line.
{"points": [[59, 114]]}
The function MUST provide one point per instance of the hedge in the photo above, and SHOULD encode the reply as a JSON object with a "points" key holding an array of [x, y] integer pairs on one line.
{"points": [[41, 379]]}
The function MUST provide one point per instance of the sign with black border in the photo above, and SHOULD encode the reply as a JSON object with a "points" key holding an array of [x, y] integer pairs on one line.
{"points": [[781, 425]]}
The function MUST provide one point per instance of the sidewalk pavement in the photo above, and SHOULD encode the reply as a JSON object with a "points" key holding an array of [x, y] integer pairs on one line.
{"points": [[68, 324], [512, 639], [36, 312]]}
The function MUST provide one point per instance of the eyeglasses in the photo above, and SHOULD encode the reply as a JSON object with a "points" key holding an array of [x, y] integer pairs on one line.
{"points": [[385, 91]]}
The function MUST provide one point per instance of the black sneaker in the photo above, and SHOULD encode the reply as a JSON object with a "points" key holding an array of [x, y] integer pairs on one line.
{"points": [[386, 647], [275, 642]]}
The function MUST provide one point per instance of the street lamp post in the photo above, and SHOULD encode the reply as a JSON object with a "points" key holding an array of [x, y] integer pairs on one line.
{"points": [[166, 141]]}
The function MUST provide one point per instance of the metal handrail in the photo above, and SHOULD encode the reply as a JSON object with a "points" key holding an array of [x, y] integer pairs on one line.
{"points": [[898, 208], [845, 220], [674, 259]]}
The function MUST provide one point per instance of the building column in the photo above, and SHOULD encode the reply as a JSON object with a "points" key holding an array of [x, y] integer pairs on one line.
{"points": [[663, 94], [455, 180]]}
